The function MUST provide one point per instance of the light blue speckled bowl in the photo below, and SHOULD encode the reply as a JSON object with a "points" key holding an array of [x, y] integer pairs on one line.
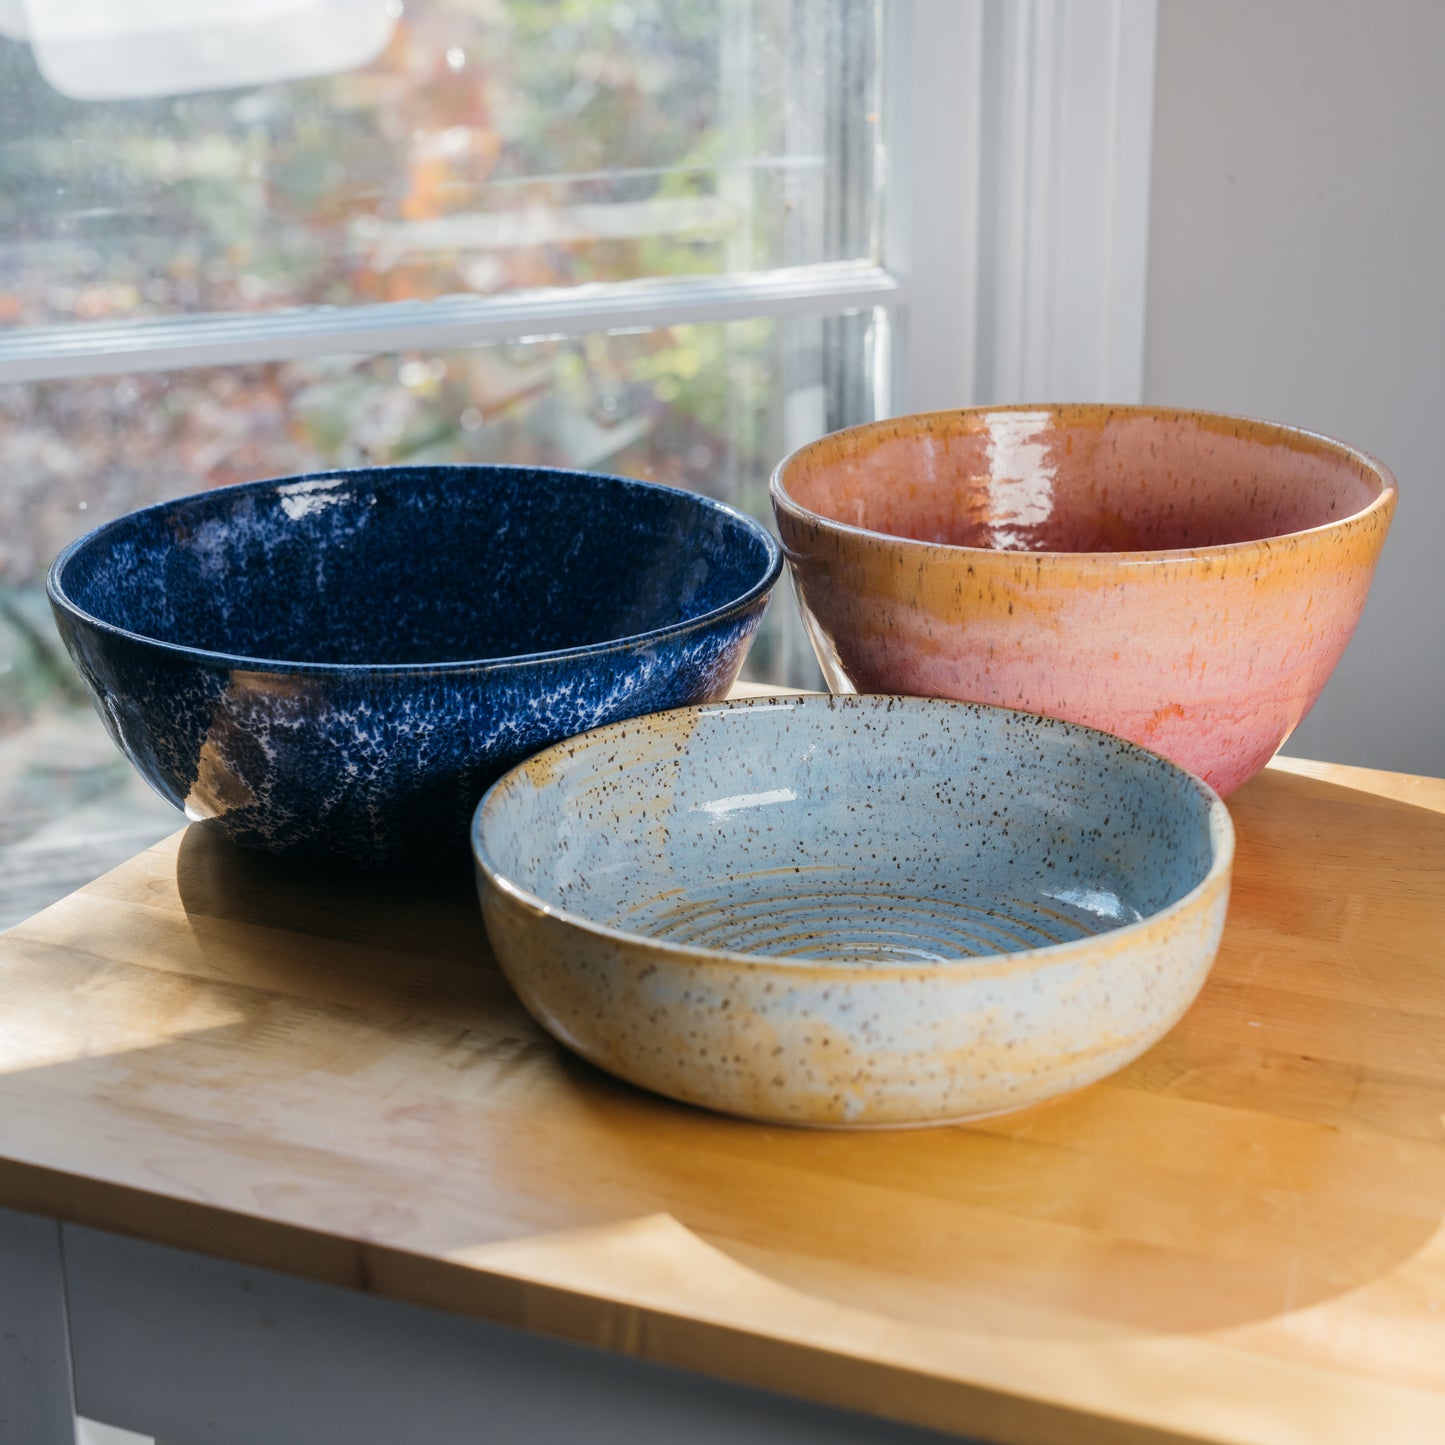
{"points": [[854, 911]]}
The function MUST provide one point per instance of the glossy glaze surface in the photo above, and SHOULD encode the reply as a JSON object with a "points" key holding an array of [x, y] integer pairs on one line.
{"points": [[853, 911], [337, 666], [1183, 579]]}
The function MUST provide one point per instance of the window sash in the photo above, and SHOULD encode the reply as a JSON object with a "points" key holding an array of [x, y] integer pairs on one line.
{"points": [[1009, 271], [176, 343]]}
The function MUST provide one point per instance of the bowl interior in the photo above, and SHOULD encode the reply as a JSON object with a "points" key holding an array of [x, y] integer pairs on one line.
{"points": [[416, 565], [866, 829], [1080, 479]]}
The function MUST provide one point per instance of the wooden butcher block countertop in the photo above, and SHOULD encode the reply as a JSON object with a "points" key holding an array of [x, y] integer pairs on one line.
{"points": [[1239, 1238]]}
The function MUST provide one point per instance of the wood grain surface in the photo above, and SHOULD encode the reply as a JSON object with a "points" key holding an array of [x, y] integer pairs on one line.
{"points": [[1238, 1239]]}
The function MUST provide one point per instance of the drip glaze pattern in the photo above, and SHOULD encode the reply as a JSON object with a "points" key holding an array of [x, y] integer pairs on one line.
{"points": [[1183, 579]]}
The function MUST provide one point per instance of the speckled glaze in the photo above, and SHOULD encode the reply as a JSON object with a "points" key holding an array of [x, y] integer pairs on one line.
{"points": [[853, 911], [1182, 579], [338, 665]]}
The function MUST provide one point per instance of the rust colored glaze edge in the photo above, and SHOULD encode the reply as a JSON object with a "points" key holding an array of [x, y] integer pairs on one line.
{"points": [[1210, 654]]}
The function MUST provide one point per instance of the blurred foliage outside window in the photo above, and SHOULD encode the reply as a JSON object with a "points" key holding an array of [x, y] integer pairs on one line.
{"points": [[493, 145]]}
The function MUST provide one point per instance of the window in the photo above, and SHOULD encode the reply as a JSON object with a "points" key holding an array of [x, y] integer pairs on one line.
{"points": [[671, 238]]}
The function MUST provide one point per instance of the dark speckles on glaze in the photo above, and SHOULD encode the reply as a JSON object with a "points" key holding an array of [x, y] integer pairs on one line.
{"points": [[854, 911], [1180, 578], [338, 665]]}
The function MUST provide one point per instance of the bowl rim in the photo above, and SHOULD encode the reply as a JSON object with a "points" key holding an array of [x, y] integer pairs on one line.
{"points": [[1300, 438], [980, 966], [632, 642]]}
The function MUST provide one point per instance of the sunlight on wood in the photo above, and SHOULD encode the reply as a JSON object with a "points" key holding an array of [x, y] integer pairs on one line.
{"points": [[1238, 1237]]}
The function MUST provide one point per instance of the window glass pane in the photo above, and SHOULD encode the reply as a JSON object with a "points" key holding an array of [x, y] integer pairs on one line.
{"points": [[709, 407], [466, 146]]}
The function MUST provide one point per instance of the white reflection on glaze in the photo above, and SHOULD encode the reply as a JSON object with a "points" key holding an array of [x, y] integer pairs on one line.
{"points": [[1098, 902], [719, 806], [1021, 476], [305, 499], [747, 711]]}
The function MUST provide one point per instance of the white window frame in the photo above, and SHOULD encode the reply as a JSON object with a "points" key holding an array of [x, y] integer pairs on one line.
{"points": [[1019, 199], [1013, 251]]}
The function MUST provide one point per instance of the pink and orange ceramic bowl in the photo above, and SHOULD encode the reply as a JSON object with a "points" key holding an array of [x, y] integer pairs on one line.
{"points": [[1179, 578]]}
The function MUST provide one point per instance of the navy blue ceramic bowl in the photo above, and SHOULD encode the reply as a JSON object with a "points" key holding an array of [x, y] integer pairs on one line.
{"points": [[339, 665]]}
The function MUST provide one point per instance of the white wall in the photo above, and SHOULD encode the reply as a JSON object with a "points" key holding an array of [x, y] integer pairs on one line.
{"points": [[1297, 272]]}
